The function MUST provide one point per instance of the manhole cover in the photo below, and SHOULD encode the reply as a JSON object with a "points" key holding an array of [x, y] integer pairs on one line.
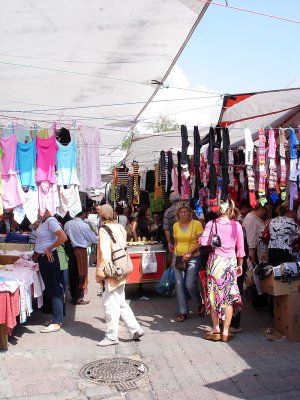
{"points": [[121, 372]]}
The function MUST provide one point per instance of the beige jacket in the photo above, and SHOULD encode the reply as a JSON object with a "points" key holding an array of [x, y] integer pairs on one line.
{"points": [[104, 253]]}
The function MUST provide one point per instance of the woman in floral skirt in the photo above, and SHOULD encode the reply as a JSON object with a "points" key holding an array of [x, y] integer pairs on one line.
{"points": [[223, 268]]}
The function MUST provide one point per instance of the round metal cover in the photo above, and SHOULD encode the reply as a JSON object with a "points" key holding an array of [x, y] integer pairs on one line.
{"points": [[113, 371]]}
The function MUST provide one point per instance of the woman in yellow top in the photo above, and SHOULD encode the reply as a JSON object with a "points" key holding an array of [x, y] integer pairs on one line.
{"points": [[186, 234]]}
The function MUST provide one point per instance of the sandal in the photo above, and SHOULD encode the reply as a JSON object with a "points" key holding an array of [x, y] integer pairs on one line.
{"points": [[83, 302], [214, 336], [181, 317], [227, 338]]}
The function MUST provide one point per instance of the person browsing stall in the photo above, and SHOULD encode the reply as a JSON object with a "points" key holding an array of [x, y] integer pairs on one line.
{"points": [[49, 235], [224, 266], [81, 237]]}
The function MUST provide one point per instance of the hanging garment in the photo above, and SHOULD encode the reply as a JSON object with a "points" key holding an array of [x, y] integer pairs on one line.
{"points": [[122, 183], [211, 146], [69, 200], [130, 190], [272, 166], [262, 174], [157, 185], [197, 148], [143, 181], [28, 208], [136, 189], [26, 163], [63, 136], [179, 170], [224, 159], [22, 133], [150, 181], [185, 188], [43, 133], [293, 144], [162, 174], [48, 197], [249, 147], [66, 164], [11, 187], [272, 144], [169, 171], [212, 184], [282, 142], [46, 158], [88, 157], [184, 147], [219, 137]]}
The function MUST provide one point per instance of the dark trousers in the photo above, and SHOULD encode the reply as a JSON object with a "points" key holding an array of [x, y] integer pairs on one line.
{"points": [[50, 272], [73, 277]]}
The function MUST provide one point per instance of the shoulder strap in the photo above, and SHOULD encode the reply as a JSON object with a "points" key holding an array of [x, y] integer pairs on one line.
{"points": [[109, 231], [191, 234], [215, 222]]}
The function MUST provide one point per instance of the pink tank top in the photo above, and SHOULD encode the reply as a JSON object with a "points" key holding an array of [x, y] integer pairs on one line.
{"points": [[45, 160], [9, 147]]}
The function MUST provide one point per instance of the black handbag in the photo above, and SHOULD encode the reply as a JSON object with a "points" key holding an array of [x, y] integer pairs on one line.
{"points": [[214, 240]]}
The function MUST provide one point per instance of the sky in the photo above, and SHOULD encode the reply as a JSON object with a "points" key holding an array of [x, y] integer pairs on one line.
{"points": [[233, 52]]}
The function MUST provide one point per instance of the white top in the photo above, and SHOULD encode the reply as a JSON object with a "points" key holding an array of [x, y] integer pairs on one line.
{"points": [[122, 219], [80, 233], [46, 234]]}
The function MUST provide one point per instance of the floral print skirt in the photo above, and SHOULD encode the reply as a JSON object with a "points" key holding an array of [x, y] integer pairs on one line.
{"points": [[222, 288]]}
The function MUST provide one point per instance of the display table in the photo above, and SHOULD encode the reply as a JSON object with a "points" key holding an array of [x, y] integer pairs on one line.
{"points": [[136, 252], [19, 283]]}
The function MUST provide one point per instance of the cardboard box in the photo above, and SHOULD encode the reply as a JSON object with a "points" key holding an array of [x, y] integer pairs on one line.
{"points": [[287, 316], [276, 287]]}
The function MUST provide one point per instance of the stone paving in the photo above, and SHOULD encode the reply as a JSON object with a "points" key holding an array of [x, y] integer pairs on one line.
{"points": [[181, 364]]}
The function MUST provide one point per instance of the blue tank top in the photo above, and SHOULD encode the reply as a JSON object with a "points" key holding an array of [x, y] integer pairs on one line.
{"points": [[26, 163], [66, 164]]}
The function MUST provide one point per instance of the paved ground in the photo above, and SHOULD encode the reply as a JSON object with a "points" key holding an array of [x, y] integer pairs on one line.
{"points": [[181, 364]]}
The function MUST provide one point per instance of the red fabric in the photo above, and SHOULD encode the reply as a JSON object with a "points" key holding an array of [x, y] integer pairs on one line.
{"points": [[252, 199], [9, 309]]}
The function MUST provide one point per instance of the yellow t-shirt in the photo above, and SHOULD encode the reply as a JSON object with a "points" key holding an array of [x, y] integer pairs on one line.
{"points": [[185, 240]]}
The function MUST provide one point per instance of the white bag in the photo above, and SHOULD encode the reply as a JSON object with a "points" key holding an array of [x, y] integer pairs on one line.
{"points": [[149, 263]]}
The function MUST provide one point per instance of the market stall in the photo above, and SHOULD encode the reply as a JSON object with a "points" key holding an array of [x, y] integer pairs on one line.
{"points": [[20, 283], [149, 262]]}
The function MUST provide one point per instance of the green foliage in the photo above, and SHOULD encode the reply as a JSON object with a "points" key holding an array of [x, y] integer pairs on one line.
{"points": [[164, 124]]}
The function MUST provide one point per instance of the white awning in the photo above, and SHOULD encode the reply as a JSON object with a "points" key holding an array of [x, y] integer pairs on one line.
{"points": [[91, 62]]}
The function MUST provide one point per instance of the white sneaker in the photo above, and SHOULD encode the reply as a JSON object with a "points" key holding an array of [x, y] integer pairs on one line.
{"points": [[51, 328], [138, 334], [107, 342]]}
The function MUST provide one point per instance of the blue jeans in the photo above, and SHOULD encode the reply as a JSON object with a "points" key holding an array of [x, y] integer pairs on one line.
{"points": [[57, 310], [187, 281]]}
